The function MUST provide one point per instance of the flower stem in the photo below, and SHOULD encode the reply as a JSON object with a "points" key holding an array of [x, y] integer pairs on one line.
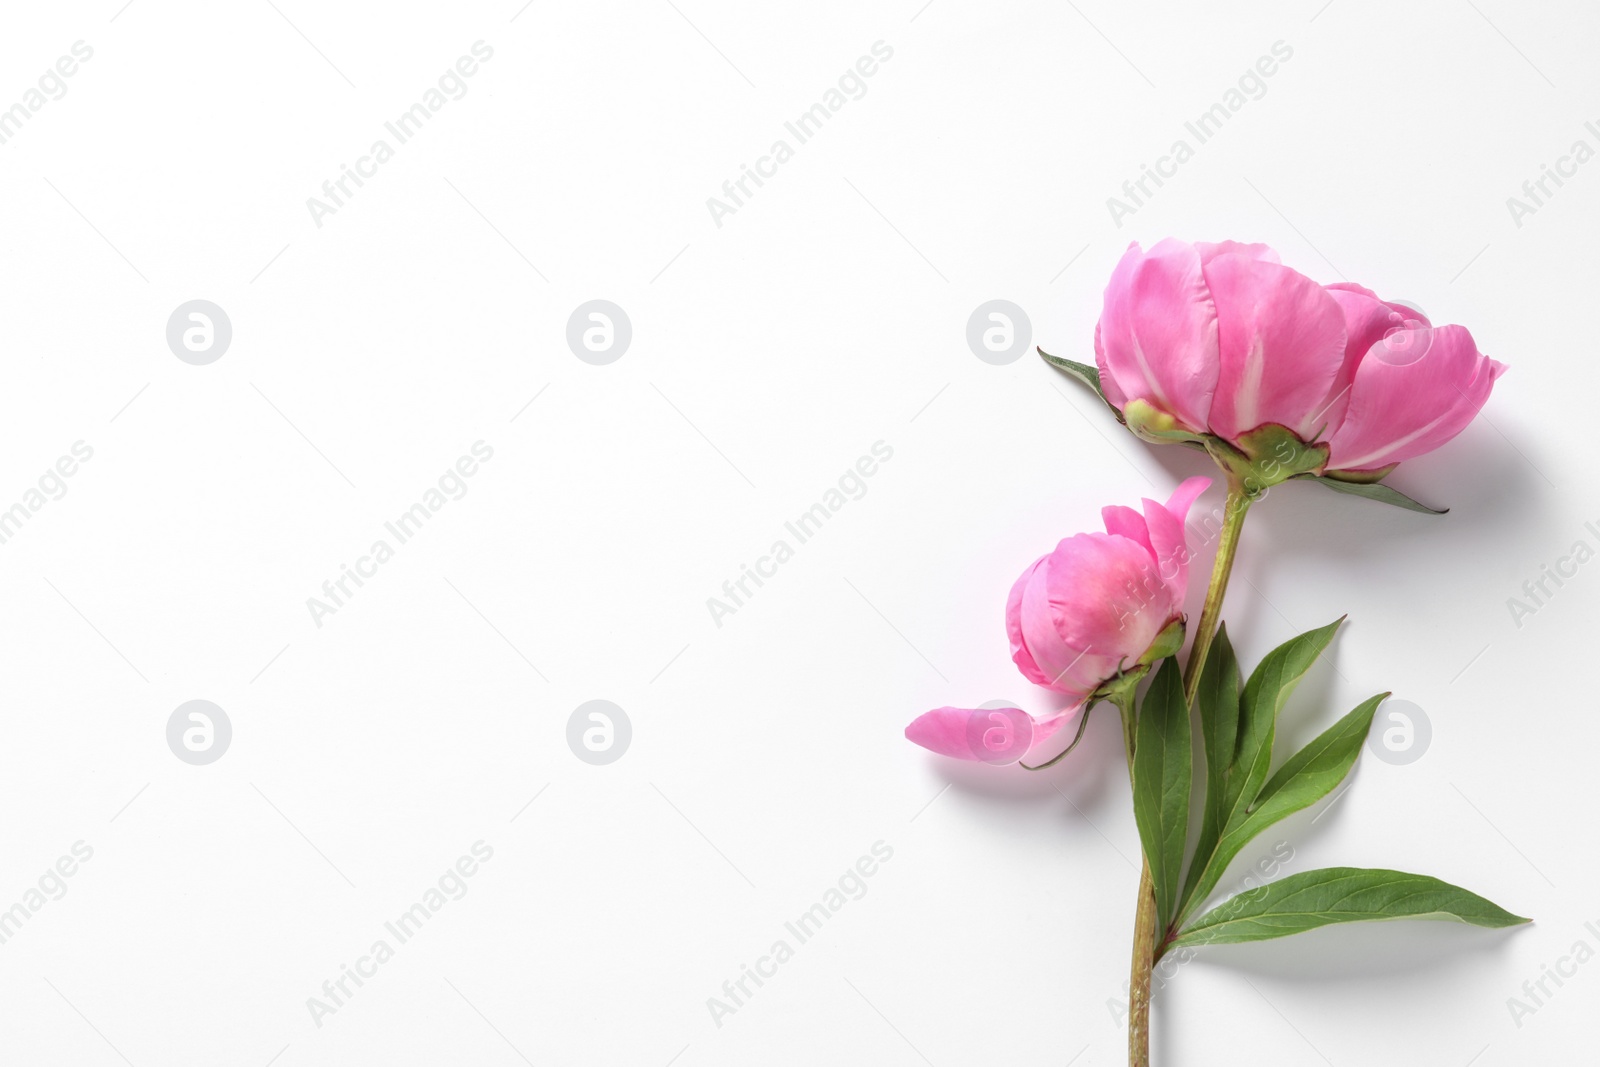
{"points": [[1234, 509], [1144, 945], [1145, 922]]}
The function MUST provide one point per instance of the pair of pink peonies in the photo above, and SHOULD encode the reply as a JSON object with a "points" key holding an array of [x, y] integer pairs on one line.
{"points": [[1214, 340]]}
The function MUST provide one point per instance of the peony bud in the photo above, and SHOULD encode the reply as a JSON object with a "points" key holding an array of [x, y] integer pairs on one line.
{"points": [[1099, 606]]}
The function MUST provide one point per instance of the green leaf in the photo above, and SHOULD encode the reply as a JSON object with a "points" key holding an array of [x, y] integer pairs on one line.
{"points": [[1264, 695], [1161, 776], [1217, 700], [1305, 778], [1377, 491], [1311, 899], [1232, 794], [1311, 774], [1084, 372]]}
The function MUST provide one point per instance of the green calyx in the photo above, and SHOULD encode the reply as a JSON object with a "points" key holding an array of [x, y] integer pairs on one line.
{"points": [[1267, 456], [1119, 688], [1167, 643]]}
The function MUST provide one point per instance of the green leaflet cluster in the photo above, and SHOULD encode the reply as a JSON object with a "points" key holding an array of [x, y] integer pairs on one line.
{"points": [[1243, 796]]}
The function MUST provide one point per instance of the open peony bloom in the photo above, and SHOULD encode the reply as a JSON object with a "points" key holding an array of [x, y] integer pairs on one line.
{"points": [[1100, 605], [1216, 342]]}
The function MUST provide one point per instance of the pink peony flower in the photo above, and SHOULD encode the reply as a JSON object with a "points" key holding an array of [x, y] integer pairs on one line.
{"points": [[1099, 605], [1221, 340]]}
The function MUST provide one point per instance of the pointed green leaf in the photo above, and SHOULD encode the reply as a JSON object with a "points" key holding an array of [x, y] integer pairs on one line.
{"points": [[1311, 899], [1264, 695], [1084, 372], [1230, 801], [1218, 698], [1161, 777], [1305, 778], [1314, 771], [1379, 492], [1217, 701]]}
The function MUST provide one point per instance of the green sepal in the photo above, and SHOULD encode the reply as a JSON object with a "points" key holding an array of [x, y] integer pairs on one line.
{"points": [[1362, 477], [1167, 643], [1375, 491], [1267, 456], [1150, 423], [1119, 688], [1086, 373], [1083, 724]]}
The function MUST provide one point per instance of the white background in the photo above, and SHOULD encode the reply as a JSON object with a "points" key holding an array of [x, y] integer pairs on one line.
{"points": [[768, 354]]}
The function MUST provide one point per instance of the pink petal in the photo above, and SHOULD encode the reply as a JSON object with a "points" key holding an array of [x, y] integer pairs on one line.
{"points": [[1281, 341], [1107, 601], [1108, 381], [1064, 667], [1019, 650], [1157, 338], [1411, 315], [990, 735], [1209, 252], [1405, 311], [1126, 522], [1185, 495], [1366, 320], [1047, 726], [1413, 391], [1168, 538], [1352, 287]]}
